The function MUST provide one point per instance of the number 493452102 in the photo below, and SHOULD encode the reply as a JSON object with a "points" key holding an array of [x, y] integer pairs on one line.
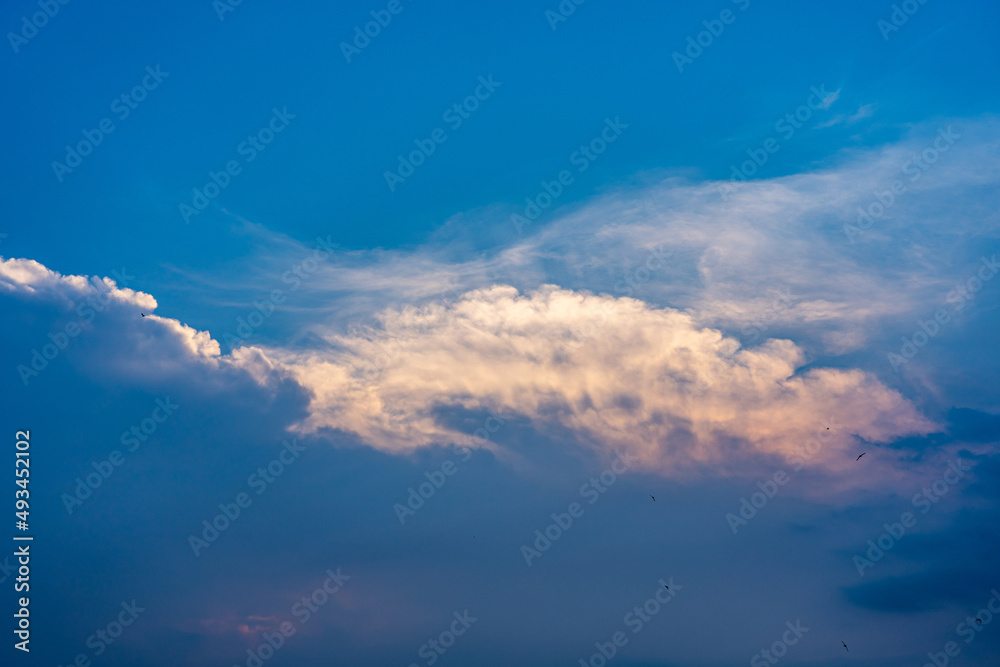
{"points": [[22, 464]]}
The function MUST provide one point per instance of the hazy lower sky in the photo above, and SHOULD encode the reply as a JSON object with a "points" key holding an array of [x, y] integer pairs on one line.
{"points": [[530, 333]]}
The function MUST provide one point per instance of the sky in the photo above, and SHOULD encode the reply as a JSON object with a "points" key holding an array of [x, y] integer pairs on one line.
{"points": [[529, 333]]}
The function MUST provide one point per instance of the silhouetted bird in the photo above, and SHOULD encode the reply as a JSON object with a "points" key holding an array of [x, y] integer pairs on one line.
{"points": [[654, 499], [978, 621], [667, 587], [845, 646], [860, 455], [143, 314]]}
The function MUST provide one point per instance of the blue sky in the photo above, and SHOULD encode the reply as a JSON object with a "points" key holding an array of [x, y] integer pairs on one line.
{"points": [[707, 327]]}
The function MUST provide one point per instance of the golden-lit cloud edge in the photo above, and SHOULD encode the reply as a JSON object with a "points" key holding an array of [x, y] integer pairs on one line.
{"points": [[636, 348], [620, 374]]}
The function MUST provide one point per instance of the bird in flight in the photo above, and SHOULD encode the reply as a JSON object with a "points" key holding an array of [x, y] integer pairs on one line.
{"points": [[845, 646], [860, 455], [654, 499], [667, 587], [978, 621], [143, 314]]}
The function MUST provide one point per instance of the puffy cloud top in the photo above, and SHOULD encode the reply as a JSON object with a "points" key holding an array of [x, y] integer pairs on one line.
{"points": [[619, 373]]}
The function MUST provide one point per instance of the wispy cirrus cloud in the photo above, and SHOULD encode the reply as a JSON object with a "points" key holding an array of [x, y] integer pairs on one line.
{"points": [[863, 111], [543, 326]]}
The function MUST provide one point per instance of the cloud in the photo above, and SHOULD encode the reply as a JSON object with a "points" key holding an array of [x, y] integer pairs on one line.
{"points": [[96, 324], [28, 277], [729, 258], [864, 111], [649, 319], [828, 101], [835, 120], [618, 373], [92, 301]]}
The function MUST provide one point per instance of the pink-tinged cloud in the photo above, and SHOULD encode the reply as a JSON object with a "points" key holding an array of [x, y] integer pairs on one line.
{"points": [[619, 373]]}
